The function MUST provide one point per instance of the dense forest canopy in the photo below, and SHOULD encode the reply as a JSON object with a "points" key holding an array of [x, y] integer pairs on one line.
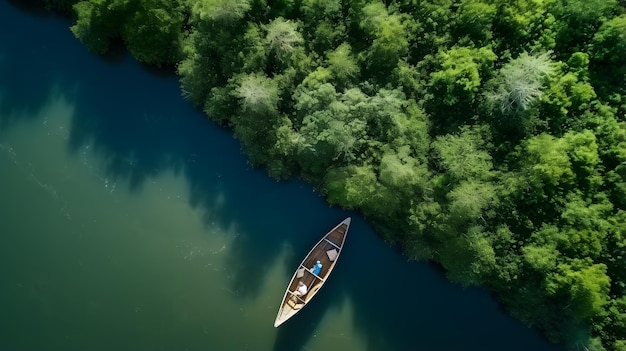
{"points": [[488, 136]]}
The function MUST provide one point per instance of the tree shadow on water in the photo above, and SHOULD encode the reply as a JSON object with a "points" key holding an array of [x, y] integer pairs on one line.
{"points": [[26, 77], [136, 123], [400, 305]]}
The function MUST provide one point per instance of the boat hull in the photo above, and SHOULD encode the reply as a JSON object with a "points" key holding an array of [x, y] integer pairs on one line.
{"points": [[327, 252]]}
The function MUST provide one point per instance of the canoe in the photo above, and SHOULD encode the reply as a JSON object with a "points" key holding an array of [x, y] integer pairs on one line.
{"points": [[327, 252]]}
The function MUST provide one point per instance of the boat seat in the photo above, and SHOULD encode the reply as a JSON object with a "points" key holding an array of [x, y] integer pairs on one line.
{"points": [[296, 305], [332, 254], [300, 273]]}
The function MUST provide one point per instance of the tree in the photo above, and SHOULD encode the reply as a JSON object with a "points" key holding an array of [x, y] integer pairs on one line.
{"points": [[450, 125], [321, 9], [585, 284], [547, 162], [468, 201], [282, 38], [519, 83], [388, 36], [253, 54], [585, 227], [609, 62], [330, 131], [257, 120], [151, 29], [468, 258], [324, 23], [403, 172], [541, 258], [97, 23], [523, 25], [583, 154], [460, 75], [351, 187], [392, 119], [342, 64], [222, 12], [474, 21], [258, 94], [463, 156], [153, 32], [580, 19], [609, 43]]}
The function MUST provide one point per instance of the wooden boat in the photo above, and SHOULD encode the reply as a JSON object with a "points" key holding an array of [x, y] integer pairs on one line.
{"points": [[327, 252]]}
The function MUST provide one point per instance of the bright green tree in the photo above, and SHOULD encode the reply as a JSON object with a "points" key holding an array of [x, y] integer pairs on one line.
{"points": [[463, 156], [547, 160], [222, 12], [343, 65], [585, 284], [609, 43], [388, 36], [461, 74]]}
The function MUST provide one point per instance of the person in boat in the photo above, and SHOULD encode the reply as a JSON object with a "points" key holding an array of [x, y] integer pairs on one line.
{"points": [[317, 268], [301, 290]]}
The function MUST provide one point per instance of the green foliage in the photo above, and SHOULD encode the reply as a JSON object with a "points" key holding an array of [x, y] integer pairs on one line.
{"points": [[151, 29], [469, 258], [94, 25], [350, 186], [547, 161], [584, 284], [330, 131], [401, 171], [523, 25], [388, 35], [460, 76], [258, 94], [253, 54], [580, 19], [343, 65], [153, 32], [519, 83], [463, 156], [609, 43], [469, 200], [541, 258], [583, 153], [475, 21], [219, 11], [282, 38], [358, 187], [324, 23]]}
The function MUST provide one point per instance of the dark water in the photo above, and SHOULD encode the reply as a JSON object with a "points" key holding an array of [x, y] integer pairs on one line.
{"points": [[129, 222]]}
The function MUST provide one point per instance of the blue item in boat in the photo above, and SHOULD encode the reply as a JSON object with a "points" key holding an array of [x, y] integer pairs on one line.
{"points": [[318, 268]]}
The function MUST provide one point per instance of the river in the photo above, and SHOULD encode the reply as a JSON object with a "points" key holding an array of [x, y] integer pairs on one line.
{"points": [[130, 222]]}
